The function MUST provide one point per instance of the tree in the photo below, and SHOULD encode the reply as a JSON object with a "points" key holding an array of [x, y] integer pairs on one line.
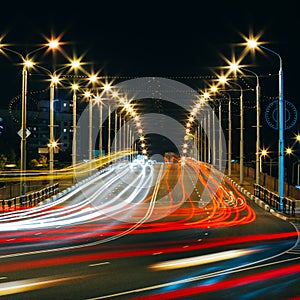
{"points": [[42, 161]]}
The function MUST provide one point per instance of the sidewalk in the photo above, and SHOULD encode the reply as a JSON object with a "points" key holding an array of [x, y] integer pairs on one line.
{"points": [[248, 185]]}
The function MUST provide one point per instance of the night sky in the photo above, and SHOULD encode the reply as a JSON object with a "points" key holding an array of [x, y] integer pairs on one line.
{"points": [[173, 40]]}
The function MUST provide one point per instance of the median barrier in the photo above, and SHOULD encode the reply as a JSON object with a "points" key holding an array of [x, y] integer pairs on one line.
{"points": [[30, 199]]}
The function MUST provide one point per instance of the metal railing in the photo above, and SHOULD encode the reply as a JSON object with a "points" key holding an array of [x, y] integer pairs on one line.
{"points": [[272, 199], [30, 199]]}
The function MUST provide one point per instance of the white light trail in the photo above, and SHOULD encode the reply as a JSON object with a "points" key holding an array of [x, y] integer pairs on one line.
{"points": [[200, 260], [89, 207]]}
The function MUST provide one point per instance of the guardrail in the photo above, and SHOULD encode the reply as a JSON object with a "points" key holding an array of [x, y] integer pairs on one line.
{"points": [[272, 199], [30, 199]]}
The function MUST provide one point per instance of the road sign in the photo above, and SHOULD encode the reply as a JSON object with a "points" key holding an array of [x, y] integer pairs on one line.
{"points": [[43, 150], [27, 133]]}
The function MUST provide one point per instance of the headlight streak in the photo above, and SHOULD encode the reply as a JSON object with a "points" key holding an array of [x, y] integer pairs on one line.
{"points": [[20, 286], [128, 230], [82, 169], [206, 288], [200, 260], [227, 284], [80, 213], [102, 256], [213, 244], [206, 216], [225, 209], [44, 207]]}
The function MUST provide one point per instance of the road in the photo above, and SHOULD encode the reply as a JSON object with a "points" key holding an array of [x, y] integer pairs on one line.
{"points": [[149, 231]]}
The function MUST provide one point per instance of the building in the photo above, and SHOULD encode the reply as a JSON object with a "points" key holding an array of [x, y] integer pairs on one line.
{"points": [[38, 120]]}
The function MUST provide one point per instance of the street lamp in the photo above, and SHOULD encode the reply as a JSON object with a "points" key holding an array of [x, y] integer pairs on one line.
{"points": [[75, 87], [236, 67], [52, 142], [100, 98], [290, 151], [88, 96], [229, 134], [252, 43], [55, 80], [298, 161], [214, 88], [27, 63], [223, 80], [298, 171], [263, 153], [241, 133]]}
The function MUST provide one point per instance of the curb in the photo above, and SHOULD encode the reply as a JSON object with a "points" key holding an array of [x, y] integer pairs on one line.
{"points": [[260, 202]]}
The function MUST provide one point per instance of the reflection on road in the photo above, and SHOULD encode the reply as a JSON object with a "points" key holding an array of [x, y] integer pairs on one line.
{"points": [[188, 227]]}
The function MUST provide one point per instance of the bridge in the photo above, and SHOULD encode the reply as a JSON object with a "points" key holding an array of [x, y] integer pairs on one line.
{"points": [[153, 117], [151, 205]]}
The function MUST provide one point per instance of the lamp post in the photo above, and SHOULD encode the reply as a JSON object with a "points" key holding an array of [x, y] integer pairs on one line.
{"points": [[27, 63], [55, 80], [75, 88], [100, 98], [257, 90], [220, 136], [51, 131], [215, 146], [229, 134], [263, 153], [23, 129], [116, 129], [214, 89], [90, 99], [235, 67], [74, 112], [290, 151], [99, 102], [298, 171], [88, 95], [241, 133], [281, 121], [298, 162], [214, 136], [223, 80]]}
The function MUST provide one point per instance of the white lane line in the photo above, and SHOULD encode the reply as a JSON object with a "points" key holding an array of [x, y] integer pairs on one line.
{"points": [[99, 264], [191, 279]]}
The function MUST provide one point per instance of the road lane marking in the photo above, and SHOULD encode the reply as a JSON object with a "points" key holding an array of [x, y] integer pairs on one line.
{"points": [[99, 264], [21, 286], [157, 253], [191, 279], [200, 260]]}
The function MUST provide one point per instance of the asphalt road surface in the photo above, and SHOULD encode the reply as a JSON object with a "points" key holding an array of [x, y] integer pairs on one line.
{"points": [[149, 231]]}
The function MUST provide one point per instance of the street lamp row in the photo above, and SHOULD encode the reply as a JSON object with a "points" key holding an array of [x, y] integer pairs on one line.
{"points": [[251, 44], [27, 63], [254, 44]]}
